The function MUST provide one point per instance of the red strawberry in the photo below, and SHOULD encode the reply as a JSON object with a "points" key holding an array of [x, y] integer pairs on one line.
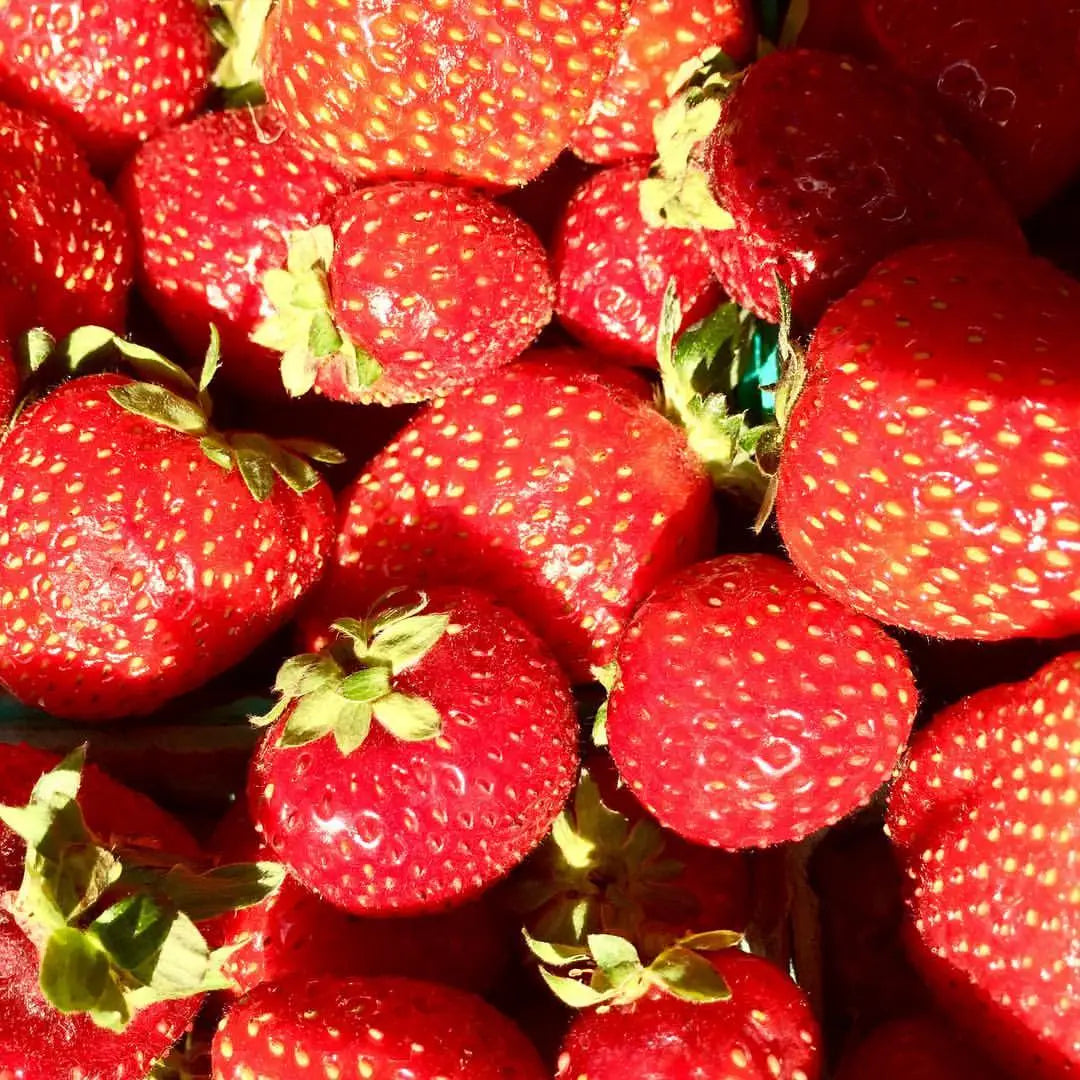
{"points": [[926, 474], [418, 288], [659, 38], [540, 202], [212, 204], [138, 559], [472, 754], [357, 1029], [65, 253], [9, 383], [983, 813], [612, 268], [792, 717], [483, 96]]}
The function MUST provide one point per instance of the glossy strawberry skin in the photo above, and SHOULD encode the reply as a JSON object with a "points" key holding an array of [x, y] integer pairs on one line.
{"points": [[821, 190], [211, 203], [65, 250], [9, 383], [803, 715], [134, 569], [612, 268], [926, 476], [766, 1031], [558, 489], [659, 38], [483, 97], [438, 284]]}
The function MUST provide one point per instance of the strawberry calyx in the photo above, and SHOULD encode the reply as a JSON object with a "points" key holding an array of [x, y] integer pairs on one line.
{"points": [[302, 327], [238, 27], [607, 676], [115, 927], [341, 690]]}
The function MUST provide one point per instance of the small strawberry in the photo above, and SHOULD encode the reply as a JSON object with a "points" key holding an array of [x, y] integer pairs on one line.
{"points": [[926, 472], [612, 268], [9, 383], [983, 814], [357, 1029], [65, 252], [143, 551], [792, 717], [419, 758], [212, 204], [410, 290]]}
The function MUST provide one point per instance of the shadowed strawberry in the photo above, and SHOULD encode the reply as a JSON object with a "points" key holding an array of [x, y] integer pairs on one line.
{"points": [[983, 814], [926, 474], [65, 252], [9, 383], [144, 551], [793, 716], [109, 72], [212, 204], [417, 759], [356, 1029]]}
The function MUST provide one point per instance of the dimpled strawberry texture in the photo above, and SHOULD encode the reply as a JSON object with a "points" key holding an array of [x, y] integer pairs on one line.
{"points": [[983, 814], [211, 203], [793, 716], [612, 268], [370, 1029], [928, 474], [484, 95]]}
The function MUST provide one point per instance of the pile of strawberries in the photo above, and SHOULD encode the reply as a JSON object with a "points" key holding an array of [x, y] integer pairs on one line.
{"points": [[434, 645]]}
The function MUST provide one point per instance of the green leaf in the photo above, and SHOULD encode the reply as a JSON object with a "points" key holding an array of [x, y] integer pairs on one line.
{"points": [[38, 346], [409, 718], [314, 451], [132, 931], [606, 676], [323, 337], [577, 995], [299, 370], [299, 675], [367, 684], [366, 370], [152, 365], [404, 642], [217, 450], [257, 473], [383, 613], [212, 361], [84, 342], [355, 629], [312, 717], [160, 405], [615, 956], [548, 952], [75, 974], [689, 976], [239, 28], [712, 941], [352, 726], [225, 888]]}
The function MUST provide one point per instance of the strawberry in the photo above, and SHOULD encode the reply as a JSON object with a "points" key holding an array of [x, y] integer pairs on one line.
{"points": [[658, 40], [9, 383], [983, 815], [612, 268], [144, 552], [471, 754], [793, 716], [443, 91], [212, 204], [925, 477], [356, 1029], [65, 252], [411, 289], [110, 74]]}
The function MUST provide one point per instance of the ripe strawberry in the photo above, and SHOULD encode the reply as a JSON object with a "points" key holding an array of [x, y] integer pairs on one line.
{"points": [[472, 756], [110, 74], [212, 204], [9, 383], [411, 290], [65, 253], [925, 477], [792, 717], [659, 38], [486, 97], [612, 268], [356, 1029], [144, 552], [983, 813]]}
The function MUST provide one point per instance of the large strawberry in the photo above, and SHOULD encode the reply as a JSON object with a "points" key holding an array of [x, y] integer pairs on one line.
{"points": [[143, 551], [409, 290], [110, 73], [65, 252], [484, 95], [793, 716], [983, 813], [926, 476], [419, 758], [212, 204]]}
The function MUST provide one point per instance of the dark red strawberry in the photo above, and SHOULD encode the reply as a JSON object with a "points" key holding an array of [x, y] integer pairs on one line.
{"points": [[65, 253], [793, 715], [9, 383], [612, 268], [417, 760], [484, 96], [983, 813], [143, 551], [926, 477], [212, 204], [359, 1029]]}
